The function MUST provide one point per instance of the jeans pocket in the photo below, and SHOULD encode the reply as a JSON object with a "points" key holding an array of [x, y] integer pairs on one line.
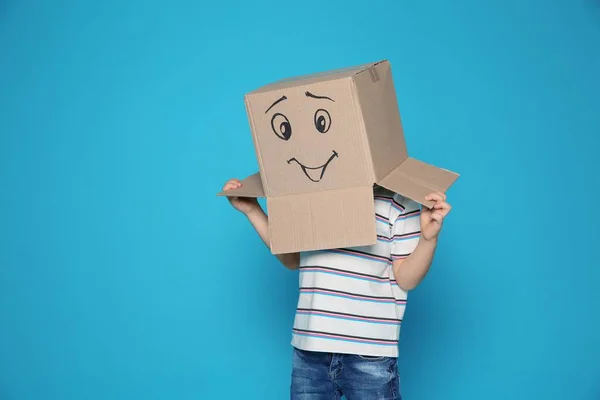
{"points": [[372, 358]]}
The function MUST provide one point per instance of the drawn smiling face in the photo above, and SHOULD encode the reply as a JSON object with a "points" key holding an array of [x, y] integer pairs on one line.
{"points": [[281, 126], [315, 174], [309, 138]]}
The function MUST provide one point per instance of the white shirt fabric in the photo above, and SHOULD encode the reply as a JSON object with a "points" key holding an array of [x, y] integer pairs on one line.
{"points": [[349, 300]]}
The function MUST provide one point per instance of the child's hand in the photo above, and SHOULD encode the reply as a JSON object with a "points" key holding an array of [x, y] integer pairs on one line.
{"points": [[245, 205], [432, 219]]}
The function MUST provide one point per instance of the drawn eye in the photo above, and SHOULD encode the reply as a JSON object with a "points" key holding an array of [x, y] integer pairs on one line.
{"points": [[281, 126], [322, 120]]}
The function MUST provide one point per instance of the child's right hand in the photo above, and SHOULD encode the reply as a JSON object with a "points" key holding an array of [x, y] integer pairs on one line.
{"points": [[245, 205]]}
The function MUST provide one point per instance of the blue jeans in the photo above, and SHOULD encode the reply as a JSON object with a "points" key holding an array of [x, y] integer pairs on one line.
{"points": [[327, 376]]}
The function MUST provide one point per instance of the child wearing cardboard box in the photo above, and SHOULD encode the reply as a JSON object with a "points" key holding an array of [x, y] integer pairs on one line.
{"points": [[344, 207], [351, 303]]}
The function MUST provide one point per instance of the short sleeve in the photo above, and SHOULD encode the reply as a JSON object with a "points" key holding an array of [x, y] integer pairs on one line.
{"points": [[406, 227]]}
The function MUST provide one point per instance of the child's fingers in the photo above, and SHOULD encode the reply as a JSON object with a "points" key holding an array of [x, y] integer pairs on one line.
{"points": [[231, 185], [437, 216], [234, 182], [442, 207], [434, 197]]}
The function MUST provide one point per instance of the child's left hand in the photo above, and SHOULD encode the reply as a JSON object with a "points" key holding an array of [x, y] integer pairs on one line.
{"points": [[432, 219]]}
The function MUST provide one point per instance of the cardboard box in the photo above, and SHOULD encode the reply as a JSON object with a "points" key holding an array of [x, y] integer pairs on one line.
{"points": [[322, 142]]}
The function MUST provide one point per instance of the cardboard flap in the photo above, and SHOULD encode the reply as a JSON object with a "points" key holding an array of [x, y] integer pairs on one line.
{"points": [[251, 187], [415, 179], [322, 220]]}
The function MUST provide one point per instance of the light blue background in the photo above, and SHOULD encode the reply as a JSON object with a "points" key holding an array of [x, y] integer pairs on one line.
{"points": [[122, 276]]}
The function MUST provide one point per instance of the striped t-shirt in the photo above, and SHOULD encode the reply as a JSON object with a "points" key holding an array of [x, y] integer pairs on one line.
{"points": [[349, 300]]}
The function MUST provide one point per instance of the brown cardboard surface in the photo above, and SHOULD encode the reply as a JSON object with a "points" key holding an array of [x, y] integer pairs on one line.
{"points": [[322, 220], [415, 179], [379, 107], [293, 155], [311, 79], [322, 141]]}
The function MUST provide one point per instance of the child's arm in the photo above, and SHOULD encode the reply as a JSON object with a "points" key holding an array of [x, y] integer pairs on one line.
{"points": [[410, 271], [259, 220]]}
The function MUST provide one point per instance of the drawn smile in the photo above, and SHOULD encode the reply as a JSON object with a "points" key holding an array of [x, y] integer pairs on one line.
{"points": [[315, 174]]}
